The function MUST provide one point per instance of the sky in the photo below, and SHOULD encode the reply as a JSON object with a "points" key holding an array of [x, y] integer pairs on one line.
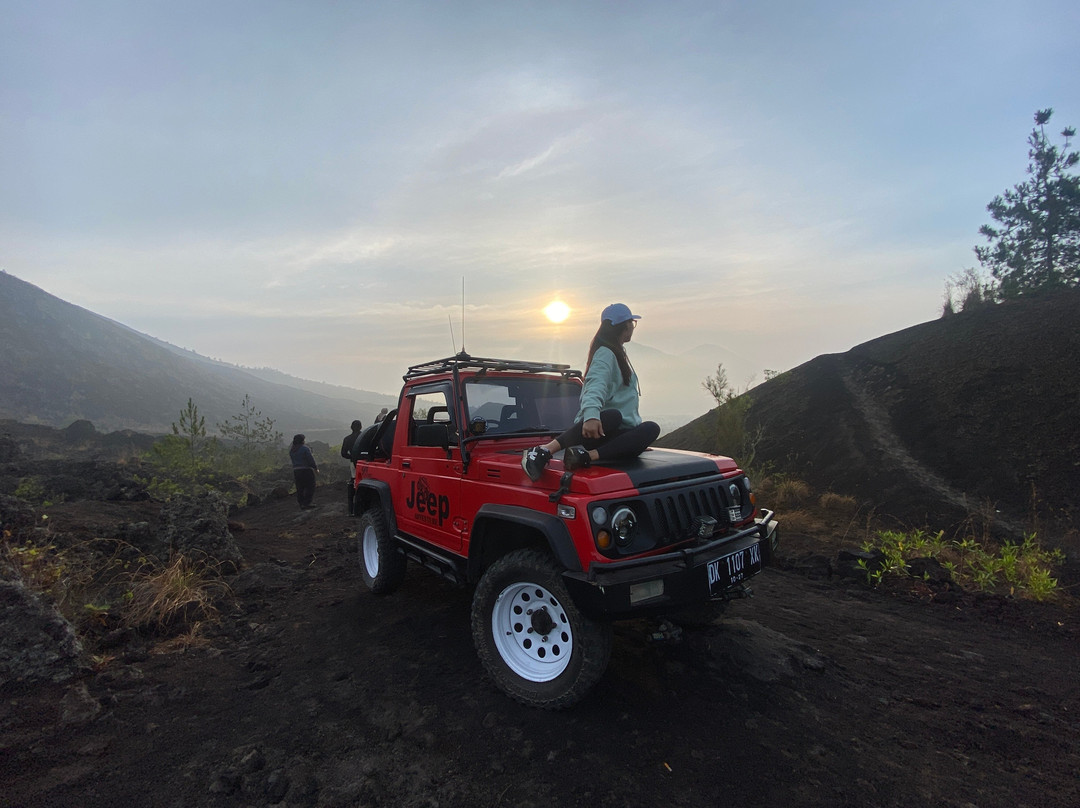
{"points": [[341, 189]]}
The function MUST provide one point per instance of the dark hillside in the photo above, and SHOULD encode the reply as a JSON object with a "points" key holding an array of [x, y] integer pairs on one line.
{"points": [[933, 422], [61, 363]]}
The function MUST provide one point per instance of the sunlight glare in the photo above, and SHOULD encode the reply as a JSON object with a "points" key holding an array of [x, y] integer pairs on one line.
{"points": [[557, 311]]}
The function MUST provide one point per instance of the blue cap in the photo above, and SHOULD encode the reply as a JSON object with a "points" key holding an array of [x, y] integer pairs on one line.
{"points": [[618, 313]]}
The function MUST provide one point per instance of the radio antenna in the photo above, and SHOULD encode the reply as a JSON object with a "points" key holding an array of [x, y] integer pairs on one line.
{"points": [[453, 342], [463, 314]]}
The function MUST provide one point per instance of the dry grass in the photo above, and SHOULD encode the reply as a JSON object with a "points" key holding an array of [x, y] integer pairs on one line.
{"points": [[838, 503], [180, 593], [192, 638], [789, 491], [799, 521]]}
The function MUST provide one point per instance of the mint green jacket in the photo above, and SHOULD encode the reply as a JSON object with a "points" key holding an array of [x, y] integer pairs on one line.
{"points": [[604, 390]]}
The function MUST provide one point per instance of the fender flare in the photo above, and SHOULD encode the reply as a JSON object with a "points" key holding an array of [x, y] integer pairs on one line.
{"points": [[381, 491], [552, 528]]}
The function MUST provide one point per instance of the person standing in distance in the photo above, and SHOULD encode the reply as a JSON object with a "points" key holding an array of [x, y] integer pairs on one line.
{"points": [[608, 425], [347, 452], [304, 469]]}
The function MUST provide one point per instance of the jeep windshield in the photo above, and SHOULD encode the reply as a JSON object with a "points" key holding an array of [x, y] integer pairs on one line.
{"points": [[524, 405]]}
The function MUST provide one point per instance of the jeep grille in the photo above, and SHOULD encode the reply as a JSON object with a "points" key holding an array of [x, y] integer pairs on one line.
{"points": [[673, 513]]}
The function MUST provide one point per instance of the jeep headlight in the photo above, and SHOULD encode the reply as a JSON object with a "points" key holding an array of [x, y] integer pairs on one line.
{"points": [[742, 494], [623, 523]]}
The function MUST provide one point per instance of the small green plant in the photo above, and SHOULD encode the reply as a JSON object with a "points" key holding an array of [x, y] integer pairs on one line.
{"points": [[1017, 569], [39, 566], [161, 488], [1039, 584], [893, 545], [33, 490]]}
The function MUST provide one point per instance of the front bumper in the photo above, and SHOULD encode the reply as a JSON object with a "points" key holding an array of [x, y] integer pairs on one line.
{"points": [[655, 584]]}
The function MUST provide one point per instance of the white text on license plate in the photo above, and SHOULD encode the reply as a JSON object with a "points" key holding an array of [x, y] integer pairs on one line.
{"points": [[734, 567]]}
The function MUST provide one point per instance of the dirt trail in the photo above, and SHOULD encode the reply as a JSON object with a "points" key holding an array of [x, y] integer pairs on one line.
{"points": [[885, 439], [316, 693]]}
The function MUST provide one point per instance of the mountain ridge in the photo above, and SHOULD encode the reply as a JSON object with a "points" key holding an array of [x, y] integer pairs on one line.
{"points": [[62, 363], [973, 414]]}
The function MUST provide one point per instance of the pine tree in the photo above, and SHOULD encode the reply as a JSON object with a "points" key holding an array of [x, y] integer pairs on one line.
{"points": [[1036, 245], [252, 438]]}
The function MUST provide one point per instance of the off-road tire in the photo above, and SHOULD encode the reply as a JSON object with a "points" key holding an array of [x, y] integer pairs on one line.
{"points": [[535, 644], [381, 563]]}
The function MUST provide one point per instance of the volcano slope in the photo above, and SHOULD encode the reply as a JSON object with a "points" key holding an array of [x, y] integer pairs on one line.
{"points": [[314, 692], [973, 414]]}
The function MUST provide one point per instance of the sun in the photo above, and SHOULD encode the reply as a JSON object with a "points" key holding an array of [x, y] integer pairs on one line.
{"points": [[557, 311]]}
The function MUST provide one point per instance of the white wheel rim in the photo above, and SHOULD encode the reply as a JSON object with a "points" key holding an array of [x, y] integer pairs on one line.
{"points": [[522, 614], [370, 547]]}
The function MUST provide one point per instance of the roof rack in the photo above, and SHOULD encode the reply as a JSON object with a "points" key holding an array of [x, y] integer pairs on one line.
{"points": [[462, 361]]}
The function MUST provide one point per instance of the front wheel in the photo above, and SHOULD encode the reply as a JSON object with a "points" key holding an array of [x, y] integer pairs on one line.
{"points": [[382, 565], [533, 641]]}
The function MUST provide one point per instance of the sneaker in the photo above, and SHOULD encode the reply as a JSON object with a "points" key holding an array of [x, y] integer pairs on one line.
{"points": [[576, 457], [533, 461]]}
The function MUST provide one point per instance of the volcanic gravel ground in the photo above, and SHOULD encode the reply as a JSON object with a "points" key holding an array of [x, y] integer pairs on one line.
{"points": [[314, 692]]}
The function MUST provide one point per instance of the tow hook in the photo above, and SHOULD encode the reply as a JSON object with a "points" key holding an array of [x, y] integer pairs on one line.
{"points": [[739, 592]]}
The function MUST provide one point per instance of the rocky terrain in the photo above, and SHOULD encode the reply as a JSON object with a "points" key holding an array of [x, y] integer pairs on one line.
{"points": [[310, 691]]}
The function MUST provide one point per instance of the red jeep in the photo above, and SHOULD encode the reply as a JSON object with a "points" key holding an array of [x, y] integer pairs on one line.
{"points": [[439, 481]]}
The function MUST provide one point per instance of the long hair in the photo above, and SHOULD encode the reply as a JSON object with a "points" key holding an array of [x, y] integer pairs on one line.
{"points": [[297, 440], [607, 335]]}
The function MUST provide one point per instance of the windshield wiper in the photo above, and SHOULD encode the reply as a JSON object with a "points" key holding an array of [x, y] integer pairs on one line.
{"points": [[496, 434]]}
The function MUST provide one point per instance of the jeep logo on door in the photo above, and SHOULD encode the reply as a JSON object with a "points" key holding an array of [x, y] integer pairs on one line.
{"points": [[426, 506]]}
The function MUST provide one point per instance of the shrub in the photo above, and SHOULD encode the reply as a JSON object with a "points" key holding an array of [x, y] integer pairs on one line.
{"points": [[837, 503], [1022, 569], [790, 491], [801, 522], [179, 593], [732, 435]]}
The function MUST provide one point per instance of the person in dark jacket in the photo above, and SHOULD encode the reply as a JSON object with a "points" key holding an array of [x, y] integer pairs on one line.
{"points": [[304, 469], [347, 447]]}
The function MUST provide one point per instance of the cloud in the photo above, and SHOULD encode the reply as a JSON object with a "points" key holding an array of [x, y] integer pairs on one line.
{"points": [[308, 188]]}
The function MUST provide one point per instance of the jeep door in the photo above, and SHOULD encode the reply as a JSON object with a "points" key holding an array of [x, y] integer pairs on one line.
{"points": [[430, 494]]}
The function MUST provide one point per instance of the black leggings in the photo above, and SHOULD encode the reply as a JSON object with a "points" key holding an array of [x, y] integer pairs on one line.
{"points": [[617, 443]]}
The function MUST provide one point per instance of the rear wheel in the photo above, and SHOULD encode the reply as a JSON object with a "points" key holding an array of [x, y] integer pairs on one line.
{"points": [[382, 565], [533, 641]]}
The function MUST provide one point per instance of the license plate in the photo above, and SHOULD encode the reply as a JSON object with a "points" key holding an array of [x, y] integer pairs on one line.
{"points": [[733, 568]]}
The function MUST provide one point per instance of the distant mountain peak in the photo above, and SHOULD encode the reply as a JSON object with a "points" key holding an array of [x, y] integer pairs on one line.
{"points": [[62, 363]]}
